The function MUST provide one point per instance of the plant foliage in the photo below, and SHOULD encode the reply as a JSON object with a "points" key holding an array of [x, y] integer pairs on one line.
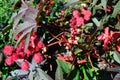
{"points": [[60, 40]]}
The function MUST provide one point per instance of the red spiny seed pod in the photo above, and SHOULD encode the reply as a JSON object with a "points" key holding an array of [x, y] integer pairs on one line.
{"points": [[38, 57], [21, 54], [40, 44], [9, 60], [8, 50], [33, 49], [24, 65], [14, 57]]}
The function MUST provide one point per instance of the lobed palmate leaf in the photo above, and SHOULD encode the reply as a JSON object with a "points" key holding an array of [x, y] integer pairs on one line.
{"points": [[17, 73], [27, 16]]}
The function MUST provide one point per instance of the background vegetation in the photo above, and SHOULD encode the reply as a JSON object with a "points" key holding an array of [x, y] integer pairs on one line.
{"points": [[77, 39]]}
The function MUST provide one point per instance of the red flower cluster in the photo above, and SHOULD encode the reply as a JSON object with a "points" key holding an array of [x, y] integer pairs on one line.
{"points": [[19, 52], [109, 35], [8, 50], [77, 20], [106, 36]]}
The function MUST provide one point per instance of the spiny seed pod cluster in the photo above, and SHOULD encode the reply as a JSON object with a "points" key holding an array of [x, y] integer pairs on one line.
{"points": [[34, 50]]}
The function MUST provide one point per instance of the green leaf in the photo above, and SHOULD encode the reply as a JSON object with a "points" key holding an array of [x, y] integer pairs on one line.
{"points": [[116, 56], [116, 9], [59, 74], [77, 51], [74, 75], [94, 2], [1, 57], [104, 4], [85, 74], [64, 66], [117, 76], [90, 72], [89, 24], [71, 2], [96, 22], [77, 75], [43, 75]]}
